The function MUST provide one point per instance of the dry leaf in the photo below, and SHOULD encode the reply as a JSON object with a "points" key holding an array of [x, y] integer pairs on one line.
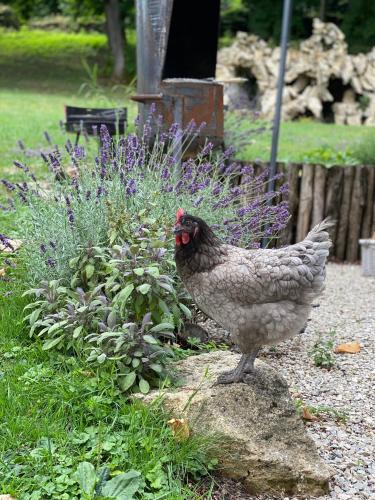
{"points": [[349, 348], [6, 497], [2, 271], [180, 428], [306, 415], [15, 244]]}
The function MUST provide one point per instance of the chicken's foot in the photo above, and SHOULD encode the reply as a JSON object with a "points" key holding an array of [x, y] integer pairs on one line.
{"points": [[245, 366], [249, 366]]}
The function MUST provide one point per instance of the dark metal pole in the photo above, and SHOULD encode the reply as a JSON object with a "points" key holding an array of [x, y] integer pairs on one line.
{"points": [[287, 9]]}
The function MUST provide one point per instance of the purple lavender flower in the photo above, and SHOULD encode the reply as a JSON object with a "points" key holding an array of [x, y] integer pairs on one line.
{"points": [[247, 170], [217, 189], [228, 152], [8, 185], [52, 244], [103, 172], [100, 191], [20, 165], [105, 137], [43, 248], [95, 130], [133, 141], [45, 159], [197, 201], [159, 121], [284, 188], [165, 174], [207, 149], [6, 242], [191, 126], [79, 152], [51, 262], [201, 127], [131, 187], [70, 216], [173, 130], [146, 131], [10, 263], [22, 197], [204, 168]]}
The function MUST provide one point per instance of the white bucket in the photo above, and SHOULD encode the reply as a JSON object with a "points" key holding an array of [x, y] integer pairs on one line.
{"points": [[368, 257]]}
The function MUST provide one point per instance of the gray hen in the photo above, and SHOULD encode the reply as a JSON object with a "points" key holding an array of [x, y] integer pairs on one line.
{"points": [[260, 296]]}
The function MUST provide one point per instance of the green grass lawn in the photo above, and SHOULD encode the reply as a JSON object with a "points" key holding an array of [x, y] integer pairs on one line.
{"points": [[41, 72], [305, 140], [56, 413], [25, 115]]}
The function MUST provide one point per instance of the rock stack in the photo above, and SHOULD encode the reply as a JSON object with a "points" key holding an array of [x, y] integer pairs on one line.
{"points": [[321, 80]]}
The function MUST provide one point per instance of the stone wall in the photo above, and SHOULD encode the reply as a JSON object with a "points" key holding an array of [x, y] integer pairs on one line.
{"points": [[322, 80]]}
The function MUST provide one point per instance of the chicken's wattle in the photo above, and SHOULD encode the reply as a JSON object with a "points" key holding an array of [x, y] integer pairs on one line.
{"points": [[182, 238]]}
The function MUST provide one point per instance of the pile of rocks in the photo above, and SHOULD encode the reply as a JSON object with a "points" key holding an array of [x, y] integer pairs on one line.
{"points": [[321, 78]]}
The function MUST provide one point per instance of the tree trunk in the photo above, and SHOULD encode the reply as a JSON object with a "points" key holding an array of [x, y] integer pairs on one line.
{"points": [[116, 37]]}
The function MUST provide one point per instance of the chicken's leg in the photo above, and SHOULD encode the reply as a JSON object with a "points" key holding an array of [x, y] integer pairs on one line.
{"points": [[245, 366], [249, 366]]}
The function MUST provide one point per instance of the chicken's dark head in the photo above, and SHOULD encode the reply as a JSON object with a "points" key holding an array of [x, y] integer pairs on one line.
{"points": [[190, 231]]}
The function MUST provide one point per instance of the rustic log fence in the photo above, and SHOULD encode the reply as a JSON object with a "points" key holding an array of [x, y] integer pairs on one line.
{"points": [[344, 193]]}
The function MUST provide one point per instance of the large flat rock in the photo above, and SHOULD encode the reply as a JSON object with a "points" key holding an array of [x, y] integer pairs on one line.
{"points": [[266, 445]]}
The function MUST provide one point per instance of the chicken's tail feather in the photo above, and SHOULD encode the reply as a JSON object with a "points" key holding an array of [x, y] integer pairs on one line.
{"points": [[317, 244], [319, 233]]}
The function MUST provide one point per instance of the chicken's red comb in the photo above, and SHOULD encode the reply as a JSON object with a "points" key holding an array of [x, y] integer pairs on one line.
{"points": [[180, 212]]}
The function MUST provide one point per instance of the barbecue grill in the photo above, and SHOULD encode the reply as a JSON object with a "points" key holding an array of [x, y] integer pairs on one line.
{"points": [[176, 62]]}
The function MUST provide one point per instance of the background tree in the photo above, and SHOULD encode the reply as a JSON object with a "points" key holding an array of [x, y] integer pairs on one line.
{"points": [[118, 14], [356, 18]]}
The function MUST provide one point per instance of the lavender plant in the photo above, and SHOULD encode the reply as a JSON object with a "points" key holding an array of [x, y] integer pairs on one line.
{"points": [[95, 205]]}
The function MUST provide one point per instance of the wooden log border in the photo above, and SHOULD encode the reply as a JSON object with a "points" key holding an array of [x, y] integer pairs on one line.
{"points": [[344, 193]]}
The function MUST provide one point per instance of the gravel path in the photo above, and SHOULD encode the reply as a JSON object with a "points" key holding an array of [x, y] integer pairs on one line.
{"points": [[347, 390]]}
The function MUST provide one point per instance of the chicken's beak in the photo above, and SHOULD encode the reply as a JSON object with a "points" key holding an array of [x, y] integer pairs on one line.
{"points": [[177, 229]]}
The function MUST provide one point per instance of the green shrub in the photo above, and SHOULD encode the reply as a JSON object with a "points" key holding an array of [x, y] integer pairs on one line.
{"points": [[326, 155], [322, 352], [119, 302]]}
